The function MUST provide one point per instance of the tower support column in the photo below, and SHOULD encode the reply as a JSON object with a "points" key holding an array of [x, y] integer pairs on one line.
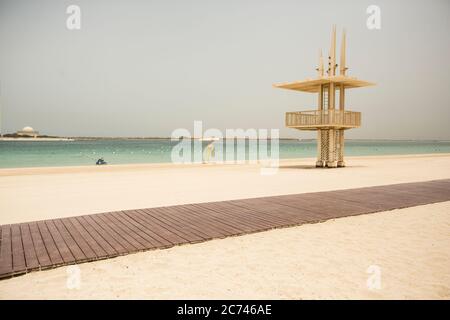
{"points": [[320, 161], [340, 149], [331, 159]]}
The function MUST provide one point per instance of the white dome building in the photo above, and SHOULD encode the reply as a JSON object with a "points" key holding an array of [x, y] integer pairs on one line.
{"points": [[28, 132]]}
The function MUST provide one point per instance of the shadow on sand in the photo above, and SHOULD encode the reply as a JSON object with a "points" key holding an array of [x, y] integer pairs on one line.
{"points": [[308, 166]]}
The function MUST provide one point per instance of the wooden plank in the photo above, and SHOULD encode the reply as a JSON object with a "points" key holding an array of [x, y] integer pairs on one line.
{"points": [[132, 243], [322, 207], [206, 222], [388, 197], [203, 225], [101, 247], [444, 183], [379, 200], [272, 211], [149, 214], [147, 230], [97, 224], [234, 214], [31, 259], [158, 232], [144, 239], [163, 216], [255, 212], [6, 261], [221, 210], [217, 225], [79, 239], [227, 224], [63, 249], [188, 221], [370, 202], [421, 195], [18, 254], [249, 216], [75, 250], [427, 191], [49, 244], [436, 185], [39, 246], [115, 232]]}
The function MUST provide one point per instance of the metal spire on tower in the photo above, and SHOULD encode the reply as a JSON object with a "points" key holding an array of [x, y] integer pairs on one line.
{"points": [[320, 68], [333, 52], [342, 67]]}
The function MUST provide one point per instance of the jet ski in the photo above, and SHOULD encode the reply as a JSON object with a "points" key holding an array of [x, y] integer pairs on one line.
{"points": [[101, 162]]}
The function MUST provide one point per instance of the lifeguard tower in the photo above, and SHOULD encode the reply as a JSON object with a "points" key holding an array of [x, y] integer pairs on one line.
{"points": [[329, 122]]}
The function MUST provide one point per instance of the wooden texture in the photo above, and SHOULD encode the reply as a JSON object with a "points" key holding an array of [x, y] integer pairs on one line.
{"points": [[323, 119], [47, 244]]}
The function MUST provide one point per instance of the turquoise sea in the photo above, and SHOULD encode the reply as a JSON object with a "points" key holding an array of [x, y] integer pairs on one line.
{"points": [[15, 154]]}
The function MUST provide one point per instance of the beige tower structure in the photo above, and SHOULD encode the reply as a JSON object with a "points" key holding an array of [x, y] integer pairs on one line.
{"points": [[330, 119]]}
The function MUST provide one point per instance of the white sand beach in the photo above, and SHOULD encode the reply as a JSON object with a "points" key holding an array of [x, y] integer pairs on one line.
{"points": [[45, 193], [410, 247]]}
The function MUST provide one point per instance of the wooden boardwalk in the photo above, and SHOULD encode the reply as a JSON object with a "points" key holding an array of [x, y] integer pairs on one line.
{"points": [[39, 245]]}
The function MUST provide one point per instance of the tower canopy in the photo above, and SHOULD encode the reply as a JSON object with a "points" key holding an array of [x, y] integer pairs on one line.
{"points": [[313, 85], [341, 81]]}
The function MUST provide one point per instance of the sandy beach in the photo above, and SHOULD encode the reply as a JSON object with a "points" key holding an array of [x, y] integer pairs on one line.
{"points": [[327, 260], [45, 193]]}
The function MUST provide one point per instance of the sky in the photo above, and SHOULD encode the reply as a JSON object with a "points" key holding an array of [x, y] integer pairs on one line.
{"points": [[146, 68]]}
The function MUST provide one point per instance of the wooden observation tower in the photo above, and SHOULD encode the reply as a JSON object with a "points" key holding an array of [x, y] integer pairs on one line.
{"points": [[329, 122]]}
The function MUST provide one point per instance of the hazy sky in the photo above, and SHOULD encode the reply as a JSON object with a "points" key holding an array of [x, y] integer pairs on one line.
{"points": [[145, 68]]}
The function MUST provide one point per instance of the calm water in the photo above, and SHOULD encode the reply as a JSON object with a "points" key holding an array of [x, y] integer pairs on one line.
{"points": [[85, 152]]}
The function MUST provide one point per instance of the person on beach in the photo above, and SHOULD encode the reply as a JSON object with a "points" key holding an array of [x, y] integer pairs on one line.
{"points": [[209, 150]]}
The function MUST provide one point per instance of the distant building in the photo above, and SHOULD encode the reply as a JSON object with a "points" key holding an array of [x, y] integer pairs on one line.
{"points": [[28, 132]]}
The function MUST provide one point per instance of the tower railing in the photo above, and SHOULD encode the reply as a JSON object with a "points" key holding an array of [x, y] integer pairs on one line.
{"points": [[323, 119]]}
